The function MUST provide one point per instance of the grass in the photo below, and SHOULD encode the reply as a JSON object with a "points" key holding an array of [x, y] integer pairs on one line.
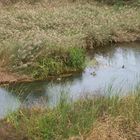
{"points": [[96, 118], [47, 32], [56, 62], [120, 2], [49, 38]]}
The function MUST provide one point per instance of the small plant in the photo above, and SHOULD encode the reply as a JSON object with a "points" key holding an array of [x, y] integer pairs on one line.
{"points": [[76, 58], [47, 66]]}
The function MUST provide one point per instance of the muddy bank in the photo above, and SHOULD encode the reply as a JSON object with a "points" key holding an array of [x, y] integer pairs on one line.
{"points": [[14, 78], [7, 77]]}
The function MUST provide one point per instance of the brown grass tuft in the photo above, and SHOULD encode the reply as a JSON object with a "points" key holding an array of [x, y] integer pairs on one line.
{"points": [[119, 128]]}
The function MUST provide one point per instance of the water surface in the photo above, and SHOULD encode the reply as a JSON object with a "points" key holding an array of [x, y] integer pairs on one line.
{"points": [[116, 67]]}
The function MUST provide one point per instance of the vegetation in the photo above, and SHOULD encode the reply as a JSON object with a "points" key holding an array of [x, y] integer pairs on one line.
{"points": [[105, 117], [42, 38], [110, 2], [121, 2], [55, 62]]}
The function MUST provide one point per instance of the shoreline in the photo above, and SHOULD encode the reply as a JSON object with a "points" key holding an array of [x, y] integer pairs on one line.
{"points": [[14, 78], [27, 79]]}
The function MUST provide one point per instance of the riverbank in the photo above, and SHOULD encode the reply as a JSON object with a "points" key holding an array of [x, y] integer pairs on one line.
{"points": [[48, 38], [98, 117]]}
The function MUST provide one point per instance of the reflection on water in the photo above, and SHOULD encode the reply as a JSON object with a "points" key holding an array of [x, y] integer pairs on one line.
{"points": [[8, 103], [118, 67]]}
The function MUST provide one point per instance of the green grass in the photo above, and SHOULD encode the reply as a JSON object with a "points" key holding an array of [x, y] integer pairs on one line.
{"points": [[79, 118], [55, 62]]}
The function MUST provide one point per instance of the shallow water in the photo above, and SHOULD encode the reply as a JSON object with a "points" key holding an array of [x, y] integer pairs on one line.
{"points": [[115, 68], [8, 103]]}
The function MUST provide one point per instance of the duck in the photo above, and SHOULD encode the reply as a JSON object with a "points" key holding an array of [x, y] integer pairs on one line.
{"points": [[93, 73], [122, 66]]}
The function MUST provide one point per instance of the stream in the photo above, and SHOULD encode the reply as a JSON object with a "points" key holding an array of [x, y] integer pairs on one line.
{"points": [[114, 69]]}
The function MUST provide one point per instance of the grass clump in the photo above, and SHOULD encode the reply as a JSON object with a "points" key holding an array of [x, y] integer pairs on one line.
{"points": [[58, 62], [39, 61], [76, 58]]}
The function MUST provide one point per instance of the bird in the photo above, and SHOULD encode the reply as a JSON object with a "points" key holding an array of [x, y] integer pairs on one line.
{"points": [[122, 66], [93, 73]]}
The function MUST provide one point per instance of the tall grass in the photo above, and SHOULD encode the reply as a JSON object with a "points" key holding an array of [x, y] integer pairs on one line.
{"points": [[69, 119]]}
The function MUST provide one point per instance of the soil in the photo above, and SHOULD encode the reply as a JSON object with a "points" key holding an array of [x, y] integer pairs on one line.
{"points": [[8, 132], [7, 77]]}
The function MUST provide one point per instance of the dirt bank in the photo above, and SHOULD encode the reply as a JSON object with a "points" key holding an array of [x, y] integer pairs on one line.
{"points": [[7, 77]]}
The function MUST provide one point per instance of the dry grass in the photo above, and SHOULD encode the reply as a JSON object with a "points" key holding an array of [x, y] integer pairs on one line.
{"points": [[27, 29], [101, 118], [119, 128], [110, 128], [105, 128], [68, 25]]}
